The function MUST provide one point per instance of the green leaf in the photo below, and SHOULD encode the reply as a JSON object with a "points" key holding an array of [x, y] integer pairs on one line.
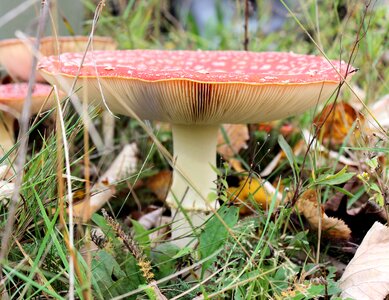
{"points": [[142, 237], [107, 271], [373, 163], [341, 177], [111, 278], [163, 259], [184, 251], [289, 155], [104, 226], [215, 234]]}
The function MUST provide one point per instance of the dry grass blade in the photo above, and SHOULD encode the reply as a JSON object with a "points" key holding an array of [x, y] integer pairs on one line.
{"points": [[70, 196]]}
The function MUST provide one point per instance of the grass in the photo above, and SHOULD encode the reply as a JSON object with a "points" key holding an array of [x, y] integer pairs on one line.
{"points": [[269, 254]]}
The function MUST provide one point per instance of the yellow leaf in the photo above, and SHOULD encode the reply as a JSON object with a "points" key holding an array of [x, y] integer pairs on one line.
{"points": [[250, 188]]}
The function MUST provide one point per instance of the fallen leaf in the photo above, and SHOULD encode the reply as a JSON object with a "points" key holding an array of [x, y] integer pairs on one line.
{"points": [[102, 191], [380, 111], [332, 228], [6, 189], [160, 183], [367, 274], [232, 140], [250, 189], [151, 219], [335, 122]]}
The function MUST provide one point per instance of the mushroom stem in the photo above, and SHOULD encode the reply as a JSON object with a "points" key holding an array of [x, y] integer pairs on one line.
{"points": [[108, 130], [7, 140], [193, 177]]}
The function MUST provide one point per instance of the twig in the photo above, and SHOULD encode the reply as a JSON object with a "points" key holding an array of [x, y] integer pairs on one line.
{"points": [[246, 26], [360, 35]]}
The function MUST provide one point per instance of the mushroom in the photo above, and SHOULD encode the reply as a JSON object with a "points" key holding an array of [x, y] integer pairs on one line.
{"points": [[12, 96], [196, 91], [16, 56]]}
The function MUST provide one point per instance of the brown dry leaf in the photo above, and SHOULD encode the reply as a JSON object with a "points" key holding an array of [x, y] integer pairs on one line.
{"points": [[250, 187], [237, 134], [160, 183], [339, 122], [367, 274], [333, 228]]}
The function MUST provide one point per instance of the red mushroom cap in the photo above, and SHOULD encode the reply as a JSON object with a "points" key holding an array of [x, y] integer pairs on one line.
{"points": [[14, 94], [202, 66], [202, 87], [16, 56]]}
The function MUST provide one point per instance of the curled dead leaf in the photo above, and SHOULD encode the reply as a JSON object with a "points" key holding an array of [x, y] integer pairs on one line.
{"points": [[160, 183], [309, 206], [335, 122]]}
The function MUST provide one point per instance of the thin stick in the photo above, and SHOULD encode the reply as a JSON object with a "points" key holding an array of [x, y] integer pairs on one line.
{"points": [[246, 26]]}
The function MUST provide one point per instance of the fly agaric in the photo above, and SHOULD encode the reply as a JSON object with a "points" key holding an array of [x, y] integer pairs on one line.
{"points": [[16, 56], [196, 91], [12, 98]]}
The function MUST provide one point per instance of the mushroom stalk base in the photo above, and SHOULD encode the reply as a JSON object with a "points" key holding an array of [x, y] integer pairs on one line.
{"points": [[7, 140], [193, 177]]}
